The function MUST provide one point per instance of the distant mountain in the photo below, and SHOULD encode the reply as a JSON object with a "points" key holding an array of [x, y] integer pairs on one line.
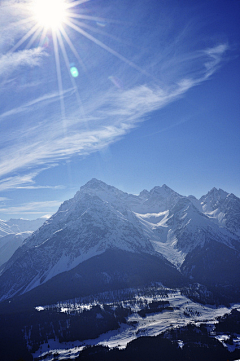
{"points": [[25, 225], [212, 200], [4, 229], [183, 228], [223, 207], [13, 233], [14, 226], [9, 244], [158, 227], [159, 199]]}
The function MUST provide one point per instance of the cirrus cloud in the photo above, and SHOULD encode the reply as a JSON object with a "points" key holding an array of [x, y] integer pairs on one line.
{"points": [[106, 121]]}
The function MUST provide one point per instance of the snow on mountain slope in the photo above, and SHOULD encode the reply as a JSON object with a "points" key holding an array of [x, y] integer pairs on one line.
{"points": [[196, 202], [159, 199], [101, 217], [178, 231], [154, 218], [83, 227], [224, 208], [212, 200]]}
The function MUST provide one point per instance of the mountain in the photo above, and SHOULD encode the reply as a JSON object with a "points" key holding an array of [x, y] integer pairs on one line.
{"points": [[224, 208], [25, 225], [159, 199], [182, 228], [12, 234], [83, 227], [111, 270], [212, 200], [4, 229], [163, 235], [14, 226], [9, 244], [217, 266]]}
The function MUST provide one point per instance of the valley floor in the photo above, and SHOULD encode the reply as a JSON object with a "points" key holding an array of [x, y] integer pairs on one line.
{"points": [[172, 310]]}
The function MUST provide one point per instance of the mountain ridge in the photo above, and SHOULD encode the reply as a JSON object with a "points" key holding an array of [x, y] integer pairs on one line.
{"points": [[14, 226], [159, 222]]}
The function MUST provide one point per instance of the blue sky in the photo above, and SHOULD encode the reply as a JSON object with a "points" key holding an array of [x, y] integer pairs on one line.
{"points": [[156, 100]]}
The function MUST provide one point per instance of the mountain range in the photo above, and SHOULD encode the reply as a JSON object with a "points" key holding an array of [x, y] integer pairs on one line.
{"points": [[13, 233], [14, 226], [105, 239]]}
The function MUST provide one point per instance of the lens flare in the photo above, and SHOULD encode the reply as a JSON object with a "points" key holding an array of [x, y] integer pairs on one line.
{"points": [[74, 71], [49, 21]]}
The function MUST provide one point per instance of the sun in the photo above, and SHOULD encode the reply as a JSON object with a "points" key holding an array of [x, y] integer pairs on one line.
{"points": [[50, 14], [49, 21]]}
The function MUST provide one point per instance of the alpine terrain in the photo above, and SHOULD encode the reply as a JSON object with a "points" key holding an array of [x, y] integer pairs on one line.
{"points": [[107, 242], [13, 233]]}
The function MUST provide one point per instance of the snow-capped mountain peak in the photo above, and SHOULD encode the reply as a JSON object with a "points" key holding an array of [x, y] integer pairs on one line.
{"points": [[101, 217], [144, 194], [164, 190], [212, 199], [106, 193], [222, 207]]}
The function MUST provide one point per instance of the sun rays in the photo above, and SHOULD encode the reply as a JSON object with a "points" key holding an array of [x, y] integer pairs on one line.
{"points": [[56, 19]]}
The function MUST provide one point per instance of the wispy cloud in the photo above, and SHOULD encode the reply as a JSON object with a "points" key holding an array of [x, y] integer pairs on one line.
{"points": [[11, 61], [13, 182], [14, 24], [40, 187], [33, 142], [106, 120], [214, 60], [25, 181], [40, 101], [32, 208], [2, 199]]}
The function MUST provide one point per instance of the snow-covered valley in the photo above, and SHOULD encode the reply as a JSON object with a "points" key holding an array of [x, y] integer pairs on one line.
{"points": [[179, 312]]}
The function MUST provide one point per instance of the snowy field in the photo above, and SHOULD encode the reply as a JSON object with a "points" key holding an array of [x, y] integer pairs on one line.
{"points": [[184, 311]]}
